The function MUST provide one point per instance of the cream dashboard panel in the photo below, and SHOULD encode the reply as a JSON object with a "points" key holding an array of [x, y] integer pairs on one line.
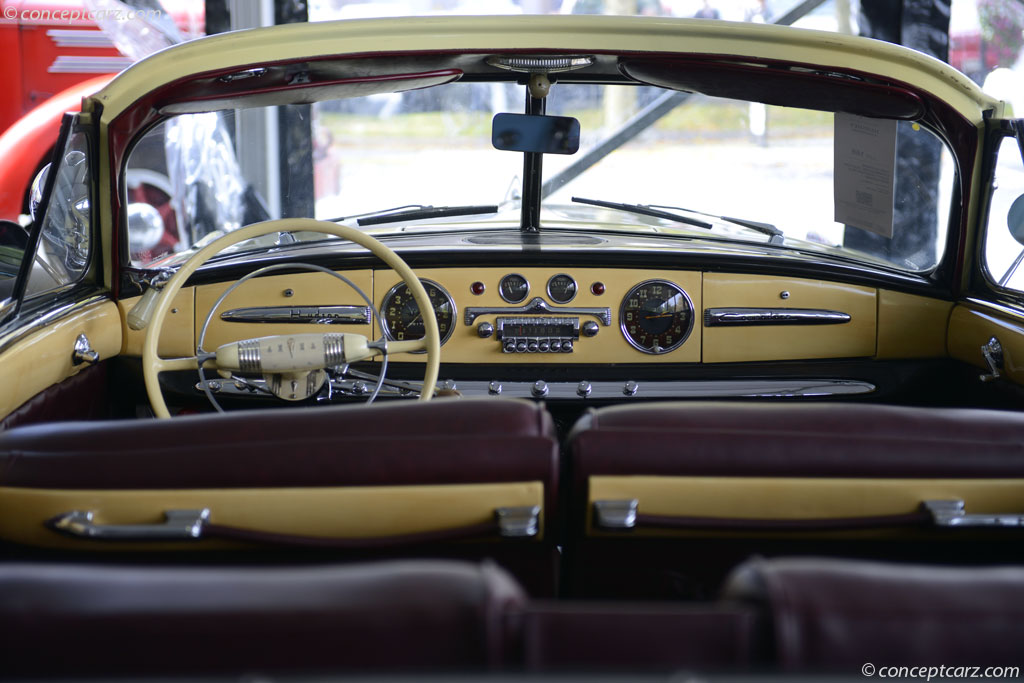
{"points": [[292, 296], [609, 345], [822, 333]]}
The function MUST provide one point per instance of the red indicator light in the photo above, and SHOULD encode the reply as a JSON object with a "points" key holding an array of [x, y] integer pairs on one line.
{"points": [[477, 288], [597, 288]]}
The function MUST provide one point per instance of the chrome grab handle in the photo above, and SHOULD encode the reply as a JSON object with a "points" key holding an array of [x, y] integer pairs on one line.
{"points": [[518, 522], [951, 513], [179, 525], [615, 514], [992, 351]]}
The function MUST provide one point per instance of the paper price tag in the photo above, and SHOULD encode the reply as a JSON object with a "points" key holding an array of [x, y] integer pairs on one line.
{"points": [[864, 172]]}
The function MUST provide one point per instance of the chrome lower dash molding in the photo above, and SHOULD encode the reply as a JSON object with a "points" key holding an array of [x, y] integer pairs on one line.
{"points": [[742, 317], [586, 390]]}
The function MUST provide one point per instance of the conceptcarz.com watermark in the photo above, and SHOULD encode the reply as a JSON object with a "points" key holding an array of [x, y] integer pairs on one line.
{"points": [[71, 16], [929, 673]]}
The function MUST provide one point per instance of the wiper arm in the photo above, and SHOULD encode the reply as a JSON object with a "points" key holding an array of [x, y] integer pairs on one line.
{"points": [[643, 210], [766, 228], [416, 212]]}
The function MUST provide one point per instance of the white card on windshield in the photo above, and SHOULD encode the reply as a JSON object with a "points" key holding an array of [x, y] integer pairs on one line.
{"points": [[864, 171]]}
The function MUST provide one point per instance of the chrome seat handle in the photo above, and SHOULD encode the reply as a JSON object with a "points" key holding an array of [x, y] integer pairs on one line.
{"points": [[951, 513], [183, 525]]}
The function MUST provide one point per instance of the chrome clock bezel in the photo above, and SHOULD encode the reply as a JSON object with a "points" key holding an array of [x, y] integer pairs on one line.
{"points": [[662, 350]]}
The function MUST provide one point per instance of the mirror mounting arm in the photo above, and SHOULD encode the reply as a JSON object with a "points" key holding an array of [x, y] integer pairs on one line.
{"points": [[533, 176]]}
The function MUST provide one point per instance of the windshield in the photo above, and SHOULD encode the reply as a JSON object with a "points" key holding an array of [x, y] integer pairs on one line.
{"points": [[805, 174]]}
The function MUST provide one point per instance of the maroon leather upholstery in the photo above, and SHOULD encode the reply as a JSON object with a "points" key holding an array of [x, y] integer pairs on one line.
{"points": [[799, 440], [114, 620], [449, 441], [832, 615], [638, 637], [775, 440], [79, 397]]}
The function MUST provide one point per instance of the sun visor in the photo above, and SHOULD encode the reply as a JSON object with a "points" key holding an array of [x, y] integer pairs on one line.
{"points": [[784, 86], [260, 87]]}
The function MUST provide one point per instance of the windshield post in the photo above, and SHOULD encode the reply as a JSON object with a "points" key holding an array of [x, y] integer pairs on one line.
{"points": [[533, 175]]}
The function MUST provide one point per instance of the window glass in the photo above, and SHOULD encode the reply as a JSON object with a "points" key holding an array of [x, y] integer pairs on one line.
{"points": [[1003, 249], [62, 255]]}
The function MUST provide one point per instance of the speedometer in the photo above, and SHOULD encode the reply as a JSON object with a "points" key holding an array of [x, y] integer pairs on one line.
{"points": [[401, 313], [656, 316]]}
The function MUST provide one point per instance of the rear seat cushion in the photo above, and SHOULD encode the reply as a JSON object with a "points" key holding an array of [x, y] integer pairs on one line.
{"points": [[102, 620], [837, 615]]}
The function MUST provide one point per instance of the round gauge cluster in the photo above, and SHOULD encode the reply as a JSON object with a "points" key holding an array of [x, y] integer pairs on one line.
{"points": [[401, 313], [513, 288], [561, 288], [656, 316]]}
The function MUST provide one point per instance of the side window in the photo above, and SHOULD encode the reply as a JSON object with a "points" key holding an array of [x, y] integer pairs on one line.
{"points": [[63, 247], [1004, 236]]}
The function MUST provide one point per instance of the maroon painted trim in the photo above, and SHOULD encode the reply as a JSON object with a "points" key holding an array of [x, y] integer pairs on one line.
{"points": [[777, 86], [913, 519], [245, 92]]}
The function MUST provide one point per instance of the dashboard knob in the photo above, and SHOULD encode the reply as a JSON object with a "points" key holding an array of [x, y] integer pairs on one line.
{"points": [[521, 347], [556, 346], [567, 346], [510, 346], [583, 389], [630, 388], [539, 389], [484, 330], [494, 388], [545, 345], [590, 329], [447, 385], [533, 346]]}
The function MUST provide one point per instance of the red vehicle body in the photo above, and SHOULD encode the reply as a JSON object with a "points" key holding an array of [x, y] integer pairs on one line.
{"points": [[53, 56], [48, 46]]}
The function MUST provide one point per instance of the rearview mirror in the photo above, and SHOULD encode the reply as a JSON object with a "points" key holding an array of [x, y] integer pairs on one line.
{"points": [[535, 133]]}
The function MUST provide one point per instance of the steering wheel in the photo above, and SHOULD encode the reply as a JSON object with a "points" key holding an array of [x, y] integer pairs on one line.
{"points": [[307, 352]]}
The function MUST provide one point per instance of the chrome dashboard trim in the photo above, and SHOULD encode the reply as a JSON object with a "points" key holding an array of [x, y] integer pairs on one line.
{"points": [[537, 306], [745, 317], [300, 315]]}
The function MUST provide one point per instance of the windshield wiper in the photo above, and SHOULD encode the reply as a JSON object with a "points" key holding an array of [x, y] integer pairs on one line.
{"points": [[643, 210], [415, 212], [766, 228], [655, 210]]}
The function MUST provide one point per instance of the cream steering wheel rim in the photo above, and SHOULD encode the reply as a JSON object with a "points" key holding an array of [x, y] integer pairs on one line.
{"points": [[153, 364]]}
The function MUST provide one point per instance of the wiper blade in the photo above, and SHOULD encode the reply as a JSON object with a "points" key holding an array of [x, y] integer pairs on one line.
{"points": [[643, 210], [766, 228], [416, 212]]}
